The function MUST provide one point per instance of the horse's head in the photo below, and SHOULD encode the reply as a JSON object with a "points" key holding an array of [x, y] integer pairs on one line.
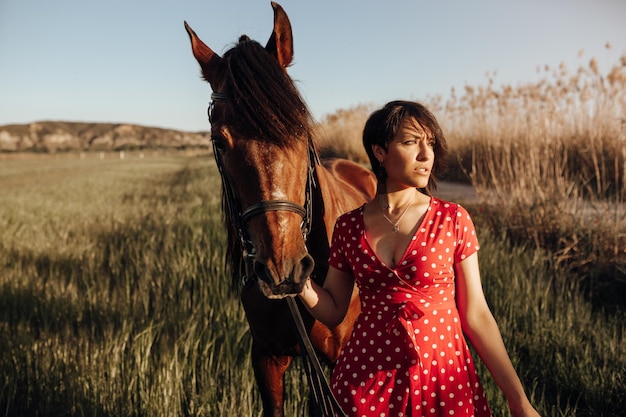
{"points": [[260, 128]]}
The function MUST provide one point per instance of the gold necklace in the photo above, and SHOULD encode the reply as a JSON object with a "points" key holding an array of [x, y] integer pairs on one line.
{"points": [[385, 205]]}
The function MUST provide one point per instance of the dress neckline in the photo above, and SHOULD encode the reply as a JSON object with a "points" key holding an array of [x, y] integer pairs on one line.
{"points": [[411, 241]]}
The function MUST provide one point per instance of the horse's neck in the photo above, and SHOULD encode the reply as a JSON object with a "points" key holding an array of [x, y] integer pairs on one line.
{"points": [[344, 186]]}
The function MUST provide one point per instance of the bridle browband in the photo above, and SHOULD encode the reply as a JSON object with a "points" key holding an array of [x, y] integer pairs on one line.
{"points": [[241, 217]]}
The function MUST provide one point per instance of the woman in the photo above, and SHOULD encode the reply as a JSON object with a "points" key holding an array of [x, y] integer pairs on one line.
{"points": [[413, 258]]}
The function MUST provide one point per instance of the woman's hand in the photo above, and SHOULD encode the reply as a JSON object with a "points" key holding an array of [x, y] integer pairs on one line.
{"points": [[329, 303], [523, 410]]}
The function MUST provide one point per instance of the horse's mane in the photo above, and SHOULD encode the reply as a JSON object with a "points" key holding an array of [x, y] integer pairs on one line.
{"points": [[265, 100], [266, 106]]}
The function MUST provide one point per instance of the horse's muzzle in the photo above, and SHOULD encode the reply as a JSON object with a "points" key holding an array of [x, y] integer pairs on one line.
{"points": [[276, 287]]}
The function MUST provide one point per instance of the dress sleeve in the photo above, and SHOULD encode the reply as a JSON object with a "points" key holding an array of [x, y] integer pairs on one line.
{"points": [[337, 258], [466, 239]]}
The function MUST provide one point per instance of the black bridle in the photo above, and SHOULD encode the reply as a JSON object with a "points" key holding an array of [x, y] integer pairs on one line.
{"points": [[240, 217]]}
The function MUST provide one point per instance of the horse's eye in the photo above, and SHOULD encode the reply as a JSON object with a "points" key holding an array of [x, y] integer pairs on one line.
{"points": [[218, 143]]}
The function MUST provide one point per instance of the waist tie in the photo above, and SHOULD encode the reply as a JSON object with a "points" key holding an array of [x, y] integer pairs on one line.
{"points": [[402, 321]]}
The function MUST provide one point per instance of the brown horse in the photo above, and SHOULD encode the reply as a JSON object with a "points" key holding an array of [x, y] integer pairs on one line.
{"points": [[280, 200]]}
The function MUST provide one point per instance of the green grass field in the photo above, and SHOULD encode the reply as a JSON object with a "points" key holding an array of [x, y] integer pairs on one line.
{"points": [[114, 301]]}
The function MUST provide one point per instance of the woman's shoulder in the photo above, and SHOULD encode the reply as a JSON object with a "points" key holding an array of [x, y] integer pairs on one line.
{"points": [[449, 207], [350, 216], [444, 204]]}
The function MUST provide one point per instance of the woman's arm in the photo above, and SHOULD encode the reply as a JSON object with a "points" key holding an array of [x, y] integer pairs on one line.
{"points": [[481, 329], [329, 303]]}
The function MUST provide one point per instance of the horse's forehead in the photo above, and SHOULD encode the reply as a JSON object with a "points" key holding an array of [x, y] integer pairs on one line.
{"points": [[270, 155], [264, 170], [223, 126]]}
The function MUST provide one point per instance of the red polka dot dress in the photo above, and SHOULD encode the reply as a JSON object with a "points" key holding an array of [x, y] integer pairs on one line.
{"points": [[407, 355]]}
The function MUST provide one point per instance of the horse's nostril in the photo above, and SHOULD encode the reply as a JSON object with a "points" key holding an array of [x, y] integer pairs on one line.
{"points": [[306, 268], [260, 270]]}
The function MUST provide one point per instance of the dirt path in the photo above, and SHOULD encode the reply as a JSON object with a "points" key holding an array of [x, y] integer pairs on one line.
{"points": [[456, 192]]}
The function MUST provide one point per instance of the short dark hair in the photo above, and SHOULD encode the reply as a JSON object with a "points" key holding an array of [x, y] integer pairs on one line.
{"points": [[384, 123]]}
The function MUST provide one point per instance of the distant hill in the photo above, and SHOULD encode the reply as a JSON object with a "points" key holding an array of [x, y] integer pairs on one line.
{"points": [[65, 136]]}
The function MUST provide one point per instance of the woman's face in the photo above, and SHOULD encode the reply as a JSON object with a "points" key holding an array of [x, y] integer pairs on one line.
{"points": [[409, 157]]}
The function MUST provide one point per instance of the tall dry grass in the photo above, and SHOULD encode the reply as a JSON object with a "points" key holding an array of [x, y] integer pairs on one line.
{"points": [[115, 302], [548, 160], [340, 133]]}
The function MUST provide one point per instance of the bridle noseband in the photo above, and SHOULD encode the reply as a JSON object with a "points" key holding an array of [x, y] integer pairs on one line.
{"points": [[241, 217]]}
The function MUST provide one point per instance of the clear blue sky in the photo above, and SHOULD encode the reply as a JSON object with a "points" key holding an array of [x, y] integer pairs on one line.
{"points": [[129, 61]]}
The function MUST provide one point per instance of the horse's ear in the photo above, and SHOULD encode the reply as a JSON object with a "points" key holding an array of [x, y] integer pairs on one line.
{"points": [[280, 43], [209, 61]]}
